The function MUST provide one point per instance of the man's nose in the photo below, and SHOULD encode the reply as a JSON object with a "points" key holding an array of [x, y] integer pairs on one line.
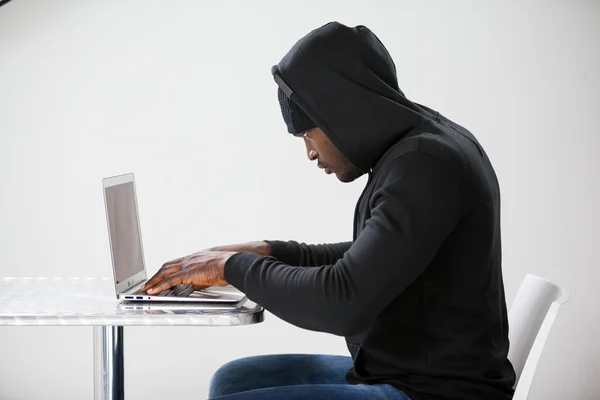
{"points": [[312, 153]]}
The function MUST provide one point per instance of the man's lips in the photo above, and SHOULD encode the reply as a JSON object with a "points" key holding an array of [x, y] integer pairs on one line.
{"points": [[326, 168]]}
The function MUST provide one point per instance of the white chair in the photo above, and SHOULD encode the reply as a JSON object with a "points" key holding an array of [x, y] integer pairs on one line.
{"points": [[530, 319]]}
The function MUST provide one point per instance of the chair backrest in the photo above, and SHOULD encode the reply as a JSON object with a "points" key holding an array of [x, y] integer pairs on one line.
{"points": [[530, 320]]}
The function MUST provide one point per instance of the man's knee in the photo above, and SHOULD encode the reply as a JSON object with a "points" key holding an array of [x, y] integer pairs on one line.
{"points": [[231, 377]]}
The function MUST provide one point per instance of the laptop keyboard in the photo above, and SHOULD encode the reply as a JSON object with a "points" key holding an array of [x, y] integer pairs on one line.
{"points": [[181, 290]]}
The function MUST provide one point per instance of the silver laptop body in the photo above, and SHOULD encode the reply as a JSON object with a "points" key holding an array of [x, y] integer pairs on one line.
{"points": [[127, 254]]}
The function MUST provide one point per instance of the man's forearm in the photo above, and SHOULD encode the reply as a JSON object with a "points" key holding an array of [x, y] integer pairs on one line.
{"points": [[305, 255]]}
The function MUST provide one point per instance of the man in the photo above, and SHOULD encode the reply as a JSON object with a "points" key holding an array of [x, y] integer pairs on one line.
{"points": [[418, 292]]}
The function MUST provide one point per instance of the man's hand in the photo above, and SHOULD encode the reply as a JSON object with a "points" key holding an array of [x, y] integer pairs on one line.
{"points": [[203, 269], [260, 248]]}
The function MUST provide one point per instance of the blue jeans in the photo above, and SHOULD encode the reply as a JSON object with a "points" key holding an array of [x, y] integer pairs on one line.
{"points": [[294, 377]]}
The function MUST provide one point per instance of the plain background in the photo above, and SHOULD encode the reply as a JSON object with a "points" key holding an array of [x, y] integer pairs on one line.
{"points": [[180, 93]]}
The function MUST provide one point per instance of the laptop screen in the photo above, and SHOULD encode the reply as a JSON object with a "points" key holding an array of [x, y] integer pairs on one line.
{"points": [[124, 230]]}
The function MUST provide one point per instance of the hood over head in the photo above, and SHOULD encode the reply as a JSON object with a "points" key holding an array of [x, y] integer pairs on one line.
{"points": [[296, 120], [345, 81]]}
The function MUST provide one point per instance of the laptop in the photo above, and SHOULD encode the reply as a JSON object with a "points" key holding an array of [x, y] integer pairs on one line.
{"points": [[136, 308], [127, 254]]}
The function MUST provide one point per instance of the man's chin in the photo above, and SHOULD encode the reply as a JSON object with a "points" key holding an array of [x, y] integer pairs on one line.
{"points": [[345, 178]]}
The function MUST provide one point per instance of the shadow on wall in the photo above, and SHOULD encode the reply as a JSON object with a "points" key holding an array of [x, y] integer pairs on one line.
{"points": [[37, 12]]}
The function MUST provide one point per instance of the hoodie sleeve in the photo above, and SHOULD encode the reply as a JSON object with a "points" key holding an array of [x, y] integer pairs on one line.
{"points": [[415, 207], [307, 255]]}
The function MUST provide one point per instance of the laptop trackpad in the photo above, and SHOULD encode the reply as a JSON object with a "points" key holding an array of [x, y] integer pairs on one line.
{"points": [[218, 292]]}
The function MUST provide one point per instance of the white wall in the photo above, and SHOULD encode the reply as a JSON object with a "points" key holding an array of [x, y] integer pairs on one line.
{"points": [[181, 94]]}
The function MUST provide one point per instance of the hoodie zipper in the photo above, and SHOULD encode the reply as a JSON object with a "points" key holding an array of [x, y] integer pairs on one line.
{"points": [[358, 204]]}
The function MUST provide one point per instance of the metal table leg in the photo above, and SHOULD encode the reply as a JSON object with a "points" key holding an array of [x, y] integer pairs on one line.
{"points": [[108, 363]]}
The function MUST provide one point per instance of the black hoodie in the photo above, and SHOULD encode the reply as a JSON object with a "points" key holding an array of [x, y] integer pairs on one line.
{"points": [[418, 293]]}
